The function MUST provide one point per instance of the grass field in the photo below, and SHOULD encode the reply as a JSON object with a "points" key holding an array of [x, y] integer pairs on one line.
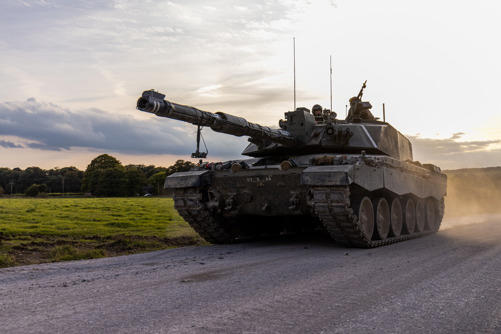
{"points": [[56, 229]]}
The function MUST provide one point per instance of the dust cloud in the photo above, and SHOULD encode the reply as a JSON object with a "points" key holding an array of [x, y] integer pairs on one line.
{"points": [[473, 191], [473, 196], [452, 222]]}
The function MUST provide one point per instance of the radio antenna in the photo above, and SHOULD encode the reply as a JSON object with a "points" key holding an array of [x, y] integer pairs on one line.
{"points": [[331, 79], [294, 51]]}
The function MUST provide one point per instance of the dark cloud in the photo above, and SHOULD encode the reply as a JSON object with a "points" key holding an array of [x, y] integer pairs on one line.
{"points": [[47, 126], [9, 144]]}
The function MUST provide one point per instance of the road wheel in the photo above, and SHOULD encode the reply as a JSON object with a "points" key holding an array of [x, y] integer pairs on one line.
{"points": [[410, 216], [396, 217], [431, 213], [366, 216], [420, 215], [382, 218]]}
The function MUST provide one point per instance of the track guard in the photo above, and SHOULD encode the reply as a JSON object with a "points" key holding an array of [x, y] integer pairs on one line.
{"points": [[188, 179]]}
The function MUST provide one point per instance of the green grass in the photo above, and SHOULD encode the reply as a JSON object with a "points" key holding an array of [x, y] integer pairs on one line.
{"points": [[56, 229]]}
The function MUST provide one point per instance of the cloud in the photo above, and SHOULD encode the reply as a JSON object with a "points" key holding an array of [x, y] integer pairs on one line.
{"points": [[457, 135], [9, 144], [47, 126], [45, 18], [138, 25], [83, 50], [456, 153], [452, 145]]}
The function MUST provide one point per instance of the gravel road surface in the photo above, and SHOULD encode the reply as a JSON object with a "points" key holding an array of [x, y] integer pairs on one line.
{"points": [[449, 282]]}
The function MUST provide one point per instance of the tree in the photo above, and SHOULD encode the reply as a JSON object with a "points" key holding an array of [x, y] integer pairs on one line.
{"points": [[111, 182], [1, 191], [72, 179], [31, 175], [147, 170], [9, 178], [156, 182], [180, 166], [136, 180], [105, 176], [65, 180]]}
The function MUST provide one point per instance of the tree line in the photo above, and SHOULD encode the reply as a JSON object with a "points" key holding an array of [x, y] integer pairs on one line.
{"points": [[104, 176]]}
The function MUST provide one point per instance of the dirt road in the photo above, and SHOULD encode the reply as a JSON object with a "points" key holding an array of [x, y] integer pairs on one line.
{"points": [[445, 283]]}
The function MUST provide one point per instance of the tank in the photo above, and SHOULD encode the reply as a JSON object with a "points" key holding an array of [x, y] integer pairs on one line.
{"points": [[353, 178]]}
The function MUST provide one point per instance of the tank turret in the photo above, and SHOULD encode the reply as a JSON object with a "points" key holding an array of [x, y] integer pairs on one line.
{"points": [[300, 133]]}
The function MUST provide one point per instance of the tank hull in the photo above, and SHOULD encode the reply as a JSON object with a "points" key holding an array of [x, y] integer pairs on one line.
{"points": [[361, 200]]}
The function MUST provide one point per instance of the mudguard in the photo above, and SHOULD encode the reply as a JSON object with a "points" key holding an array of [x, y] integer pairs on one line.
{"points": [[188, 179]]}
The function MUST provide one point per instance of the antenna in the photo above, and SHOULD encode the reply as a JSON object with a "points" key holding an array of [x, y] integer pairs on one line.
{"points": [[331, 80], [384, 114], [294, 51]]}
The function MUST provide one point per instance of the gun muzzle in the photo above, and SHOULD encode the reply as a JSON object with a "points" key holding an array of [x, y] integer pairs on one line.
{"points": [[153, 102]]}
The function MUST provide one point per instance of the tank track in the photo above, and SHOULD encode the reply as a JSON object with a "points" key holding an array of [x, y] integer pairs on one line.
{"points": [[190, 205], [332, 207]]}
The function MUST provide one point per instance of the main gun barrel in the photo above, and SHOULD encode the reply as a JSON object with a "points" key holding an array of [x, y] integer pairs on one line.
{"points": [[154, 102]]}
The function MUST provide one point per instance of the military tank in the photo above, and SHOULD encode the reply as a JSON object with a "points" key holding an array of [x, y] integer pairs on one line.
{"points": [[354, 178]]}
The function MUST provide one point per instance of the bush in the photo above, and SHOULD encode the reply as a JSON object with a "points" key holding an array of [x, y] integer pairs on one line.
{"points": [[1, 191], [36, 189], [6, 261]]}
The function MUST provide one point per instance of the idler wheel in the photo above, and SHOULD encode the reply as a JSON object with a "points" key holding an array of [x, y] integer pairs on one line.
{"points": [[382, 218], [397, 218], [410, 216], [431, 214], [420, 215], [366, 216]]}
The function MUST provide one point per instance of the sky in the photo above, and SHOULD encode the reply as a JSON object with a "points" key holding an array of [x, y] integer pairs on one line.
{"points": [[71, 72]]}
